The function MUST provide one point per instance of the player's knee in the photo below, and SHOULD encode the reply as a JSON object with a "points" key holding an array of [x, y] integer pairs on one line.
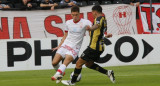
{"points": [[54, 64], [78, 65], [88, 65]]}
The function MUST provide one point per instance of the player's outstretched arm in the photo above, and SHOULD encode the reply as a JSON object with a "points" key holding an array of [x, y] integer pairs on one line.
{"points": [[92, 28], [64, 37]]}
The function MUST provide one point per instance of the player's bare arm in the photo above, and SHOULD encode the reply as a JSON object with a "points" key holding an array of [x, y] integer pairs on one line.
{"points": [[64, 37], [94, 27]]}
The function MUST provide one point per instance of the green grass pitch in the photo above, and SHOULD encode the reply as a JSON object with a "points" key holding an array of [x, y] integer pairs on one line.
{"points": [[140, 75]]}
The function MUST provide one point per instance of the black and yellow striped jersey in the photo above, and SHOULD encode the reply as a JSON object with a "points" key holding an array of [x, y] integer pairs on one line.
{"points": [[96, 36]]}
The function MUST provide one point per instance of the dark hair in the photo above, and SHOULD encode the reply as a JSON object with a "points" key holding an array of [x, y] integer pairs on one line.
{"points": [[97, 8], [75, 9]]}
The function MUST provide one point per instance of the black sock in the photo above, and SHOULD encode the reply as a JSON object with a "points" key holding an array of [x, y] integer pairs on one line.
{"points": [[75, 75], [98, 68]]}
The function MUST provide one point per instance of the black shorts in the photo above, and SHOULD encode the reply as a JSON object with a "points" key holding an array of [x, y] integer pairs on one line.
{"points": [[91, 55]]}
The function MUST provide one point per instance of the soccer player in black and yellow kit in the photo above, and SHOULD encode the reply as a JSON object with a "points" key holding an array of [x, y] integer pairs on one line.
{"points": [[95, 48]]}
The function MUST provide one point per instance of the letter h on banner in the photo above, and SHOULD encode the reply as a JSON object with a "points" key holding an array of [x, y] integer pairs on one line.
{"points": [[39, 52]]}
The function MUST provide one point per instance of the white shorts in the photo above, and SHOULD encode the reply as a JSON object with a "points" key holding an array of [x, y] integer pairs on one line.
{"points": [[67, 50]]}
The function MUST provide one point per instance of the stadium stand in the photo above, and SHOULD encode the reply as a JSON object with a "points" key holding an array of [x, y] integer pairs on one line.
{"points": [[106, 2], [82, 3], [117, 2], [17, 4], [93, 3]]}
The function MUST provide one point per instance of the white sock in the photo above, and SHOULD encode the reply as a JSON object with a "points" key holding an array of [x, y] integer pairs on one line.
{"points": [[61, 69], [56, 67]]}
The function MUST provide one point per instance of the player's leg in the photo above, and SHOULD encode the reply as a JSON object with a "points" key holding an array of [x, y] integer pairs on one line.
{"points": [[68, 59], [60, 54], [94, 66], [55, 62], [80, 62], [77, 71], [58, 75], [57, 58]]}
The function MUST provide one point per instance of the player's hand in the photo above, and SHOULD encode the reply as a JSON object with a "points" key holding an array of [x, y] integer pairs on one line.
{"points": [[88, 27], [108, 35], [56, 48]]}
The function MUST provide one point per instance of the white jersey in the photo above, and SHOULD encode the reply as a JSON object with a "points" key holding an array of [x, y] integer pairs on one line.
{"points": [[76, 32], [74, 39]]}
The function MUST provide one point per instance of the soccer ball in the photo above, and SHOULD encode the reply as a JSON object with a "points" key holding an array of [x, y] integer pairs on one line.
{"points": [[78, 78]]}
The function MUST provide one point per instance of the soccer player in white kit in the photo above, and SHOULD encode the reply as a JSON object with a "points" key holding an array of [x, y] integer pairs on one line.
{"points": [[70, 44]]}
